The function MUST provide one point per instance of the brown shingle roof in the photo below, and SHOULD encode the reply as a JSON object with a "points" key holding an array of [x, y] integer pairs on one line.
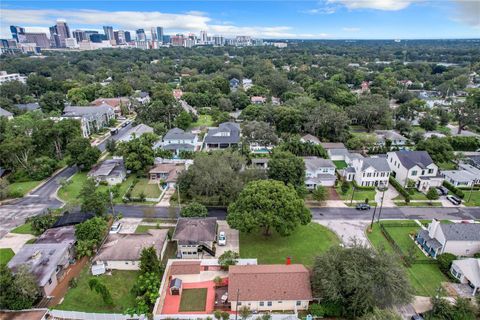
{"points": [[185, 267], [269, 282], [191, 231]]}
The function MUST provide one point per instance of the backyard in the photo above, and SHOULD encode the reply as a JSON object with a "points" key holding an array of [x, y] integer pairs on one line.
{"points": [[424, 278], [6, 254], [204, 120], [81, 298], [340, 164], [305, 243], [193, 300]]}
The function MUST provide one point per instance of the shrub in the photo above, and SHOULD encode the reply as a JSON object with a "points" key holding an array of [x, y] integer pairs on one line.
{"points": [[345, 187], [459, 193], [399, 188], [445, 262]]}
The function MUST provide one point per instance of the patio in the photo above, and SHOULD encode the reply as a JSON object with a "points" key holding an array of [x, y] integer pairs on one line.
{"points": [[172, 302]]}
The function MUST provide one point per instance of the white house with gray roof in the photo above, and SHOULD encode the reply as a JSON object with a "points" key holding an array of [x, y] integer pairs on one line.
{"points": [[92, 119], [394, 137], [460, 178], [226, 135], [467, 271], [460, 239], [177, 140], [416, 166], [135, 132], [319, 172], [111, 171], [368, 172]]}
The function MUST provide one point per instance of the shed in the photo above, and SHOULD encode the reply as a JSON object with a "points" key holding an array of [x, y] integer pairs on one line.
{"points": [[98, 269], [175, 287]]}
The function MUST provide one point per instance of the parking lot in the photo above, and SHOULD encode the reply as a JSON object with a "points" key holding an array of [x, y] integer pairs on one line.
{"points": [[233, 241]]}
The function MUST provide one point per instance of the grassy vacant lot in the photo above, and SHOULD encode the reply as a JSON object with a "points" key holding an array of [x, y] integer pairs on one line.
{"points": [[193, 300], [203, 120], [424, 278], [6, 254], [150, 190], [474, 200], [302, 246], [81, 298], [360, 195], [340, 164], [23, 229], [22, 188]]}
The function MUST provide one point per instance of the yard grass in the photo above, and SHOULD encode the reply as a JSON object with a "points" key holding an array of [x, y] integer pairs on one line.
{"points": [[123, 187], [424, 278], [150, 190], [6, 254], [474, 199], [81, 298], [416, 195], [203, 120], [303, 245], [340, 164], [193, 300], [23, 229], [22, 188], [360, 195], [418, 204]]}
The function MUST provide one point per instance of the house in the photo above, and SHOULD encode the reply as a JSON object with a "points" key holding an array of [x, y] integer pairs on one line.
{"points": [[247, 83], [260, 163], [47, 262], [460, 239], [416, 166], [92, 119], [6, 114], [115, 103], [177, 140], [310, 138], [470, 169], [368, 172], [177, 94], [319, 172], [226, 135], [29, 314], [111, 171], [269, 287], [276, 101], [460, 178], [194, 236], [165, 173], [28, 106], [234, 83], [123, 251], [59, 235], [71, 219], [467, 271], [143, 97], [135, 132], [336, 150], [396, 139], [258, 100]]}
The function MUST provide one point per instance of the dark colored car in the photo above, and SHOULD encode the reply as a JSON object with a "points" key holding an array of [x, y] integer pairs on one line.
{"points": [[454, 200], [442, 191], [362, 206]]}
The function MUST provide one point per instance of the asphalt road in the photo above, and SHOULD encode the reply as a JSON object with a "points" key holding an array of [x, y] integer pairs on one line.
{"points": [[115, 137]]}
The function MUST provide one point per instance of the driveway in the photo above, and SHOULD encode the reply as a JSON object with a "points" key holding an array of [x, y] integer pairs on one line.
{"points": [[165, 201], [390, 194], [347, 230], [129, 225], [15, 241], [233, 240]]}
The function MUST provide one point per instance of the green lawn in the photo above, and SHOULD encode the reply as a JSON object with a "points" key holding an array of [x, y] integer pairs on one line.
{"points": [[6, 254], [302, 246], [418, 204], [203, 120], [150, 190], [193, 300], [474, 200], [401, 235], [19, 189], [81, 298], [416, 195], [123, 187], [424, 278], [360, 195], [23, 229], [340, 164]]}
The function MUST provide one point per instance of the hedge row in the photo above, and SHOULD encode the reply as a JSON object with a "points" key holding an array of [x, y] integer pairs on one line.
{"points": [[459, 193], [361, 187], [400, 189]]}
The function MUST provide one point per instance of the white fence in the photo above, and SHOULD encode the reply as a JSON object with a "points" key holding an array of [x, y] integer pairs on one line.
{"points": [[76, 315]]}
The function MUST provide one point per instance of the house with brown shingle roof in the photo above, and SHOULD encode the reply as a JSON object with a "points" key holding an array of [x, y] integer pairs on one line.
{"points": [[272, 287], [165, 173]]}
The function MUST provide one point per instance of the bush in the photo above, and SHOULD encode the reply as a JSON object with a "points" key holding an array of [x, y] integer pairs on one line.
{"points": [[345, 187], [399, 188], [194, 209], [459, 193], [325, 309], [445, 262]]}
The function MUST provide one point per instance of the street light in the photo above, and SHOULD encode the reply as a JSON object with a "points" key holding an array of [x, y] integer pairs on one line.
{"points": [[373, 217], [383, 187]]}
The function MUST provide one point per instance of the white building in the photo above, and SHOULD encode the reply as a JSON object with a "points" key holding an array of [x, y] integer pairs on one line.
{"points": [[177, 140], [319, 172], [416, 166], [5, 77], [91, 119], [396, 139], [467, 271], [460, 178], [368, 172]]}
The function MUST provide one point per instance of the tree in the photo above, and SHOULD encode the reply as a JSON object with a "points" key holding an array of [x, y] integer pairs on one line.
{"points": [[93, 229], [428, 122], [138, 153], [381, 314], [244, 312], [3, 188], [259, 132], [183, 120], [82, 153], [93, 200], [466, 113], [445, 261], [149, 261], [111, 146], [432, 194], [228, 258], [359, 279], [19, 290], [286, 167], [266, 205], [345, 186], [370, 111], [439, 149], [95, 285], [320, 193], [361, 142], [194, 209], [42, 222], [52, 102]]}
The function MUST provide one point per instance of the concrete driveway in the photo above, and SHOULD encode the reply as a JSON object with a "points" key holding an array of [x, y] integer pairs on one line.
{"points": [[129, 225], [348, 230], [15, 241], [233, 240]]}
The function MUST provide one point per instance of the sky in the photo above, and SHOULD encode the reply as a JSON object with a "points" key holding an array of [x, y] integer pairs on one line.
{"points": [[321, 19]]}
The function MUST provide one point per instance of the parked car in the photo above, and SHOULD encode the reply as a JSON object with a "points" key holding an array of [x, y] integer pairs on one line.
{"points": [[442, 191], [113, 131], [222, 239], [456, 201], [115, 228], [417, 317], [363, 206]]}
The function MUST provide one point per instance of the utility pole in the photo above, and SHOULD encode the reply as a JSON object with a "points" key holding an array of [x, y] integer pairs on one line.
{"points": [[178, 196], [471, 191], [353, 193], [236, 305], [373, 217], [384, 188]]}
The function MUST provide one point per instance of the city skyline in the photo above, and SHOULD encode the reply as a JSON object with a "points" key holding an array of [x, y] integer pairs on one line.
{"points": [[328, 19]]}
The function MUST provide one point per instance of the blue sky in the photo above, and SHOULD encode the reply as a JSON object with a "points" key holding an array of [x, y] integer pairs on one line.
{"points": [[324, 19]]}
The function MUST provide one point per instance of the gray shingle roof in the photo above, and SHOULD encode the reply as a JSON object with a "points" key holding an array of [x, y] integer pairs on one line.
{"points": [[461, 231], [226, 127], [411, 158], [74, 111], [178, 134], [109, 167], [379, 164], [314, 163], [195, 230], [28, 106]]}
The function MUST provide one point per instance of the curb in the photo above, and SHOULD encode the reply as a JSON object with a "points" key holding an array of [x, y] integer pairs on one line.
{"points": [[47, 180]]}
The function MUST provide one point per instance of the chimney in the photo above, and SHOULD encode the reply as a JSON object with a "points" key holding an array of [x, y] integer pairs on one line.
{"points": [[432, 228], [289, 261]]}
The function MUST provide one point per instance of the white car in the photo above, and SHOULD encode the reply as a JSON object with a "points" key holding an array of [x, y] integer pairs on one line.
{"points": [[115, 228], [222, 239]]}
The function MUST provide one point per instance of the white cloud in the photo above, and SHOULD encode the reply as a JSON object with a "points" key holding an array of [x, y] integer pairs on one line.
{"points": [[193, 21], [386, 5], [324, 10], [350, 29], [468, 12]]}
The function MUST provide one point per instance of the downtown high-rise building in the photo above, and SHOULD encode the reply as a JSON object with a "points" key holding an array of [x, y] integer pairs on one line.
{"points": [[80, 35], [58, 33], [141, 36], [119, 36], [39, 38], [108, 30], [128, 37], [17, 32], [160, 34], [203, 37]]}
